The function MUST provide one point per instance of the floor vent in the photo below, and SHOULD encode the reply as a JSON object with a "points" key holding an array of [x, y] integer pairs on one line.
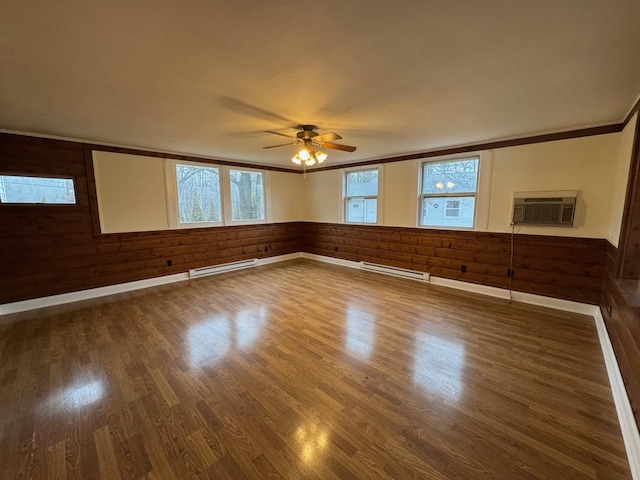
{"points": [[225, 267], [395, 271]]}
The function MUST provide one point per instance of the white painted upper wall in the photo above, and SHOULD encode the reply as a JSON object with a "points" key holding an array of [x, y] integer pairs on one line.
{"points": [[285, 202], [133, 191], [595, 166], [621, 178], [583, 164]]}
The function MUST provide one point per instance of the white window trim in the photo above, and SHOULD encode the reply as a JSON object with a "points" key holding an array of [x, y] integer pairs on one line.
{"points": [[378, 197], [171, 186], [226, 194], [482, 194]]}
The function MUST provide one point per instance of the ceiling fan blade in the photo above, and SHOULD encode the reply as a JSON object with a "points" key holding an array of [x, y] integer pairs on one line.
{"points": [[281, 145], [281, 134], [327, 137], [337, 146]]}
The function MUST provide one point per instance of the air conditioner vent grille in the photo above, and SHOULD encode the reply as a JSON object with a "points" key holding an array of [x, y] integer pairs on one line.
{"points": [[544, 211]]}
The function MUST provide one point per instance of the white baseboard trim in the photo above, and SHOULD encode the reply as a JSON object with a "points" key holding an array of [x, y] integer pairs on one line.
{"points": [[42, 302], [529, 298], [555, 303], [628, 426], [279, 258], [35, 303], [331, 260]]}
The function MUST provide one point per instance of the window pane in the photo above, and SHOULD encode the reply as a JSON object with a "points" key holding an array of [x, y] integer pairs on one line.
{"points": [[362, 210], [198, 194], [448, 211], [460, 176], [362, 183], [247, 197], [15, 189]]}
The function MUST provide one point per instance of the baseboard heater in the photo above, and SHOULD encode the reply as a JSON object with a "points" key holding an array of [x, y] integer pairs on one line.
{"points": [[395, 271], [224, 267]]}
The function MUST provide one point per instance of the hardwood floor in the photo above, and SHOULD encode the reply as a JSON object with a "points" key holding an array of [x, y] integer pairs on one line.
{"points": [[303, 370]]}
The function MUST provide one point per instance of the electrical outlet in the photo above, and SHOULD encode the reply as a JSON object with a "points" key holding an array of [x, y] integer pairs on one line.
{"points": [[510, 272], [336, 248], [463, 268], [169, 263]]}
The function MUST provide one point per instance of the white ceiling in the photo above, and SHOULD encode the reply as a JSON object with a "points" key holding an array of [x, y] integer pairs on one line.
{"points": [[209, 77]]}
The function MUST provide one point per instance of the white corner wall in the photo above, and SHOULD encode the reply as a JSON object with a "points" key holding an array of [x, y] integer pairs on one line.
{"points": [[583, 164], [621, 179], [285, 192], [323, 196]]}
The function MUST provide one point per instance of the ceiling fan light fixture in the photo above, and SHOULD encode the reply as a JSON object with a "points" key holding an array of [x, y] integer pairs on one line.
{"points": [[304, 154], [309, 139]]}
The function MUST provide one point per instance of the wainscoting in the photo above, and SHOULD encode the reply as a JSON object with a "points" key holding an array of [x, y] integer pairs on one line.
{"points": [[620, 309], [56, 249], [560, 267]]}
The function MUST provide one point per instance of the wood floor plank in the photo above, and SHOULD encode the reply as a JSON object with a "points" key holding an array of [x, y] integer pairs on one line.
{"points": [[303, 370]]}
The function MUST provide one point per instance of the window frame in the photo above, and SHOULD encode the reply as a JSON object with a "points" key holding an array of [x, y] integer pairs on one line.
{"points": [[346, 198], [480, 183], [173, 208], [171, 186], [43, 175], [229, 204]]}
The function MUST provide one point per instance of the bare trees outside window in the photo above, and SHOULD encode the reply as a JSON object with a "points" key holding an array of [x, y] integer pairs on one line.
{"points": [[247, 195], [198, 194]]}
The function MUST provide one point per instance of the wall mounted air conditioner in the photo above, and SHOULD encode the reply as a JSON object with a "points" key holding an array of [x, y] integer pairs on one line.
{"points": [[556, 208]]}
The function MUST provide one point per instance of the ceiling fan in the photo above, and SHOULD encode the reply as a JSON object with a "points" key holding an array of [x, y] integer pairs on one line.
{"points": [[311, 141]]}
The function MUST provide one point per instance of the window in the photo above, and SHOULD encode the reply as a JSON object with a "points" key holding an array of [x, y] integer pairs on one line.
{"points": [[361, 196], [452, 209], [247, 195], [198, 194], [41, 190], [448, 193]]}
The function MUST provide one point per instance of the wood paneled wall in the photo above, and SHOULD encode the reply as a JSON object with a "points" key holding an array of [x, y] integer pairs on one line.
{"points": [[561, 267], [46, 250], [620, 306], [49, 249]]}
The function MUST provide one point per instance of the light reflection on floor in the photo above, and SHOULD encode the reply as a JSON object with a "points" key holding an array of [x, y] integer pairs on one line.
{"points": [[438, 365], [360, 334], [74, 397], [211, 340], [248, 326], [312, 441]]}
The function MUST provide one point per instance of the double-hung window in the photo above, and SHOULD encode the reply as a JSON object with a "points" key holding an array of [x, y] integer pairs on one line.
{"points": [[361, 196], [210, 195], [448, 193]]}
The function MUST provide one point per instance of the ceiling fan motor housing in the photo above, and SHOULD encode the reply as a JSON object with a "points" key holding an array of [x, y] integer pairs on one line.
{"points": [[307, 131]]}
